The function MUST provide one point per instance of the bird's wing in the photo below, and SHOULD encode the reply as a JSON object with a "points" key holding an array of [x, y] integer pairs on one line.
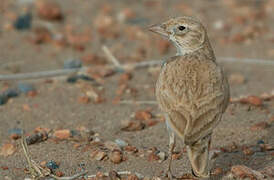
{"points": [[197, 90]]}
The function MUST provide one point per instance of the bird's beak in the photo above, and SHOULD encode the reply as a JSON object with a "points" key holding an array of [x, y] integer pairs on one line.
{"points": [[160, 29]]}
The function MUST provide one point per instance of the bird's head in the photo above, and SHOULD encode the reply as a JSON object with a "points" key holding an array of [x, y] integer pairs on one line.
{"points": [[187, 33]]}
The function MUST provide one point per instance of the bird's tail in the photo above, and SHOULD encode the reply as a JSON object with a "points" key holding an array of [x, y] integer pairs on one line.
{"points": [[198, 154]]}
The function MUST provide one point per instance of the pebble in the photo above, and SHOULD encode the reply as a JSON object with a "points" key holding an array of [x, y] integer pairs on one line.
{"points": [[23, 22], [111, 146], [7, 149], [72, 63], [11, 93], [132, 177], [116, 157], [62, 134], [25, 87], [240, 171], [15, 133], [52, 165], [260, 142], [35, 138], [3, 99], [121, 143]]}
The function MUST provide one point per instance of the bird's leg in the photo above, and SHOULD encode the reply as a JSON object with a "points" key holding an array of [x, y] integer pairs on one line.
{"points": [[172, 142]]}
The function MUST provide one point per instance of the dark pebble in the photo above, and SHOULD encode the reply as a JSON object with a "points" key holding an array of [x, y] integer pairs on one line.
{"points": [[11, 93], [72, 63], [3, 99], [52, 165], [260, 142], [73, 79], [23, 22], [35, 138], [25, 87]]}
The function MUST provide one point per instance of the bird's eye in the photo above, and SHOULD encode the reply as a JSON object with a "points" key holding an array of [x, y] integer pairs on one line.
{"points": [[181, 28]]}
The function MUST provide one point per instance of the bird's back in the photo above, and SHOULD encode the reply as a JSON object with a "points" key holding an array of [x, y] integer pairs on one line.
{"points": [[194, 92]]}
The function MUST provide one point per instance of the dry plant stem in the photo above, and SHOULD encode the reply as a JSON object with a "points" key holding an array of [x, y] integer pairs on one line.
{"points": [[139, 102], [107, 174], [111, 57], [145, 64], [37, 171]]}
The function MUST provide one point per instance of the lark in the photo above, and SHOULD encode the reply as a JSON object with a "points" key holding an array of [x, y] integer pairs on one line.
{"points": [[192, 90]]}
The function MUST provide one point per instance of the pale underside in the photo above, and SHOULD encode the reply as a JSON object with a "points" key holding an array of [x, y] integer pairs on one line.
{"points": [[194, 93]]}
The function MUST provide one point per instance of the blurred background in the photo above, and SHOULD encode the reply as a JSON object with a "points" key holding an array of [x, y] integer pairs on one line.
{"points": [[45, 35]]}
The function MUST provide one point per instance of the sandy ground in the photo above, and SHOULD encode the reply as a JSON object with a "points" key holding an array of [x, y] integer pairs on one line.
{"points": [[56, 104]]}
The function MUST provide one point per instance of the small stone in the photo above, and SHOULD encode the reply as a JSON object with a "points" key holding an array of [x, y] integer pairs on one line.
{"points": [[15, 133], [128, 125], [11, 92], [121, 143], [260, 142], [253, 100], [113, 175], [98, 155], [143, 115], [217, 171], [130, 149], [248, 151], [240, 171], [83, 99], [161, 155], [52, 165], [62, 134], [125, 77], [132, 177], [259, 126], [25, 87], [72, 63], [3, 99], [111, 146], [23, 22], [7, 149], [49, 10], [116, 157], [153, 157], [59, 173]]}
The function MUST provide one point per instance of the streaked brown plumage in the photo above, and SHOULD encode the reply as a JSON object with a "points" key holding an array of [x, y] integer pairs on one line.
{"points": [[192, 90]]}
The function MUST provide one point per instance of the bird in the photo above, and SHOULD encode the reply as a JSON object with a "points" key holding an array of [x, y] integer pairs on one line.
{"points": [[192, 90]]}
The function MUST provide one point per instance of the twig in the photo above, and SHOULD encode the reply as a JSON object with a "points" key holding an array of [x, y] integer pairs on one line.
{"points": [[138, 102], [119, 173], [42, 74], [37, 171], [111, 57], [144, 64]]}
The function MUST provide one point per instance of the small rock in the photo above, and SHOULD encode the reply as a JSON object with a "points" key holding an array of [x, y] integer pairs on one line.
{"points": [[111, 146], [116, 157], [240, 171], [162, 155], [15, 133], [153, 157], [130, 149], [259, 126], [260, 142], [83, 99], [121, 143], [100, 155], [52, 165], [49, 10], [236, 79], [143, 115], [23, 22], [72, 63], [10, 93], [125, 77], [113, 175], [253, 100], [217, 171], [62, 134], [132, 177], [59, 173], [128, 125], [7, 149], [248, 151], [25, 87], [3, 99], [37, 137]]}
